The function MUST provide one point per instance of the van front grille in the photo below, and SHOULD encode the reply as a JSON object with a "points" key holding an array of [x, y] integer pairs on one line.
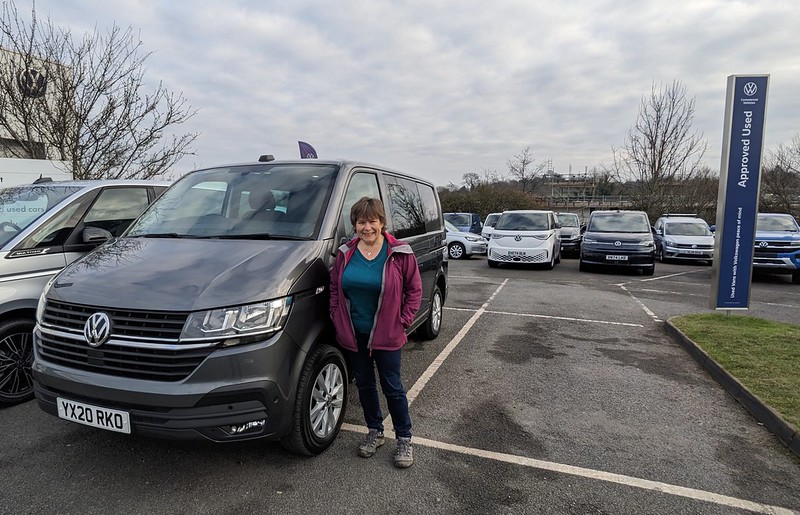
{"points": [[142, 344]]}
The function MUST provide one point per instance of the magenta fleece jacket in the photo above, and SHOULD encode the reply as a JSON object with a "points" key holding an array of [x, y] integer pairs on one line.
{"points": [[399, 300]]}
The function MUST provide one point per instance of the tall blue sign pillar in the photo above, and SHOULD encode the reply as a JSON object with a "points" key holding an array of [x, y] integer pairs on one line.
{"points": [[739, 181]]}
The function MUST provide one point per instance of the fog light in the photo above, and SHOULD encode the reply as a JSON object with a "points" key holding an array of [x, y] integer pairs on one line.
{"points": [[249, 427]]}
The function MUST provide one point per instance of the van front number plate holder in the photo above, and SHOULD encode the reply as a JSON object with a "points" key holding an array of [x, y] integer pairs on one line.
{"points": [[612, 257], [95, 416]]}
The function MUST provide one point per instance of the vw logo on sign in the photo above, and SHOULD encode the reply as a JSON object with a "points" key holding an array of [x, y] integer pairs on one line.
{"points": [[617, 243], [762, 243], [97, 329], [518, 237], [750, 89]]}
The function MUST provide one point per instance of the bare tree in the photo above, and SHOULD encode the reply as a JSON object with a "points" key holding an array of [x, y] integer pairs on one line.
{"points": [[471, 180], [780, 179], [84, 101], [661, 150], [524, 170]]}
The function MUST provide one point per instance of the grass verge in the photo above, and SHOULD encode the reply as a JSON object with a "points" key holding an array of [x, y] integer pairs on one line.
{"points": [[763, 355]]}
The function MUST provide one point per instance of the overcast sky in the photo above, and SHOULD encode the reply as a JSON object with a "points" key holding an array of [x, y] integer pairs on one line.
{"points": [[440, 88]]}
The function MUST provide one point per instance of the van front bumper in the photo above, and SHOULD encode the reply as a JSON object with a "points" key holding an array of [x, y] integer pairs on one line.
{"points": [[235, 394]]}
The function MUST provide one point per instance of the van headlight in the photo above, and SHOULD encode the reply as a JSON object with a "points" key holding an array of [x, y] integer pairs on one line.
{"points": [[263, 318]]}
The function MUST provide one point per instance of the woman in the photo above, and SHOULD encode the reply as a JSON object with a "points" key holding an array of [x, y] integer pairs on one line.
{"points": [[375, 293]]}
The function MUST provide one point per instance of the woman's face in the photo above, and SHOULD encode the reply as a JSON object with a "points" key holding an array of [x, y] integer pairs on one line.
{"points": [[369, 230]]}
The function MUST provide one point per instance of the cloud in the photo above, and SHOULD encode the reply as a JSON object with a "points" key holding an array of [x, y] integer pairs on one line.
{"points": [[441, 88]]}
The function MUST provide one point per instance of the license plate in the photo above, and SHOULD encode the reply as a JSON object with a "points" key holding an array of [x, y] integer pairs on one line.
{"points": [[516, 253], [95, 416], [616, 258], [694, 252]]}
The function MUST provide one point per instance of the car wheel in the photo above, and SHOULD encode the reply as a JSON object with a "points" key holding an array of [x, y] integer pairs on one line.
{"points": [[558, 257], [552, 263], [796, 278], [430, 329], [16, 357], [649, 271], [321, 402], [583, 267], [492, 264], [457, 251]]}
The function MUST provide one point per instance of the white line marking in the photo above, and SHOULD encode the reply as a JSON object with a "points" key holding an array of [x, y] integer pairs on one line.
{"points": [[670, 275], [587, 320], [641, 304], [434, 366], [610, 477]]}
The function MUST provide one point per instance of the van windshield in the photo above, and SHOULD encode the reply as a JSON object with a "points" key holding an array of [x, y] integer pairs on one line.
{"points": [[568, 220], [523, 222], [261, 201], [22, 205], [618, 222], [776, 223]]}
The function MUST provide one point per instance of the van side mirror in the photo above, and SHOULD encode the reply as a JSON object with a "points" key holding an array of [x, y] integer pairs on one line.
{"points": [[96, 235]]}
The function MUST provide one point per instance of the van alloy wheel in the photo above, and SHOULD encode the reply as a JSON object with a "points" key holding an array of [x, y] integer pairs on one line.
{"points": [[430, 329], [16, 357], [320, 403]]}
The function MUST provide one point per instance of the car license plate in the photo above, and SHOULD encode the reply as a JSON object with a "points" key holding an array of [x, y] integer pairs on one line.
{"points": [[612, 257], [516, 253], [694, 252], [95, 416]]}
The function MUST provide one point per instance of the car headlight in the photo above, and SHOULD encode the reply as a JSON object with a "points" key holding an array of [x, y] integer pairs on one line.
{"points": [[646, 243], [589, 240], [496, 236], [237, 322], [473, 238], [541, 236]]}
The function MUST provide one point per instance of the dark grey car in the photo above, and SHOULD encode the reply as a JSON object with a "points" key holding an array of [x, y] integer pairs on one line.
{"points": [[209, 317]]}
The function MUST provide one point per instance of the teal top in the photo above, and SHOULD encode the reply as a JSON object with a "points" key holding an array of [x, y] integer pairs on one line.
{"points": [[361, 282]]}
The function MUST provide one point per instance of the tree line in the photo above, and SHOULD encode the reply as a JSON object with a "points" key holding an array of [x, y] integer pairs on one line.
{"points": [[657, 169]]}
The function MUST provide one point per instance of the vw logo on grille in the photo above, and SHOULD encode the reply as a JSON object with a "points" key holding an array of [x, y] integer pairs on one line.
{"points": [[518, 237], [762, 244], [97, 329], [694, 245], [750, 89], [617, 243]]}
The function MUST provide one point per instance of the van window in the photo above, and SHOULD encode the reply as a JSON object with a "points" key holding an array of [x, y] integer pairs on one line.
{"points": [[362, 184], [20, 206], [433, 222], [408, 213], [56, 230], [116, 208]]}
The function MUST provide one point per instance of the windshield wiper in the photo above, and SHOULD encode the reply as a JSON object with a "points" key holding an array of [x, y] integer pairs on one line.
{"points": [[257, 236], [160, 235]]}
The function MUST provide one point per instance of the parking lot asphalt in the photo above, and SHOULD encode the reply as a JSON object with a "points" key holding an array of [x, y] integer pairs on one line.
{"points": [[546, 392]]}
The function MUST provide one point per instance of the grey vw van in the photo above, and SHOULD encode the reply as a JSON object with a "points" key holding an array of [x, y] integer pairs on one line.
{"points": [[209, 317], [43, 227]]}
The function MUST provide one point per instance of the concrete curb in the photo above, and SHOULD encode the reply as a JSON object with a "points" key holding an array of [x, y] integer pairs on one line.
{"points": [[785, 432]]}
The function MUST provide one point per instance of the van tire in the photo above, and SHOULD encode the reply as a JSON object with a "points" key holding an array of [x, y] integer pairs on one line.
{"points": [[16, 358], [429, 330], [649, 271], [323, 379], [492, 264], [796, 278]]}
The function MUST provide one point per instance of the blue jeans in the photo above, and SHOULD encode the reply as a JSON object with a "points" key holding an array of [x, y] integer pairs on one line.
{"points": [[388, 364]]}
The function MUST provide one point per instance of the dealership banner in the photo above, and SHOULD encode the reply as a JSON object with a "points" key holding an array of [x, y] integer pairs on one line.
{"points": [[739, 180]]}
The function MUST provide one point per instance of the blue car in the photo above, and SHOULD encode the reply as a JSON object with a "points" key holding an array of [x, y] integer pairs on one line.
{"points": [[777, 245]]}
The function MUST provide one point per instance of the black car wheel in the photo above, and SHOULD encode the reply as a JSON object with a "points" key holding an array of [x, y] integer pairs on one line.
{"points": [[16, 357], [321, 402]]}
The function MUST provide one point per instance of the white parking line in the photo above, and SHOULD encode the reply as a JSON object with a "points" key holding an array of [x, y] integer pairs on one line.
{"points": [[641, 304], [434, 366], [610, 477]]}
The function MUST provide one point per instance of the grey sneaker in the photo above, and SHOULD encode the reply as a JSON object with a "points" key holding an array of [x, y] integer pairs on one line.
{"points": [[403, 455], [372, 441]]}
